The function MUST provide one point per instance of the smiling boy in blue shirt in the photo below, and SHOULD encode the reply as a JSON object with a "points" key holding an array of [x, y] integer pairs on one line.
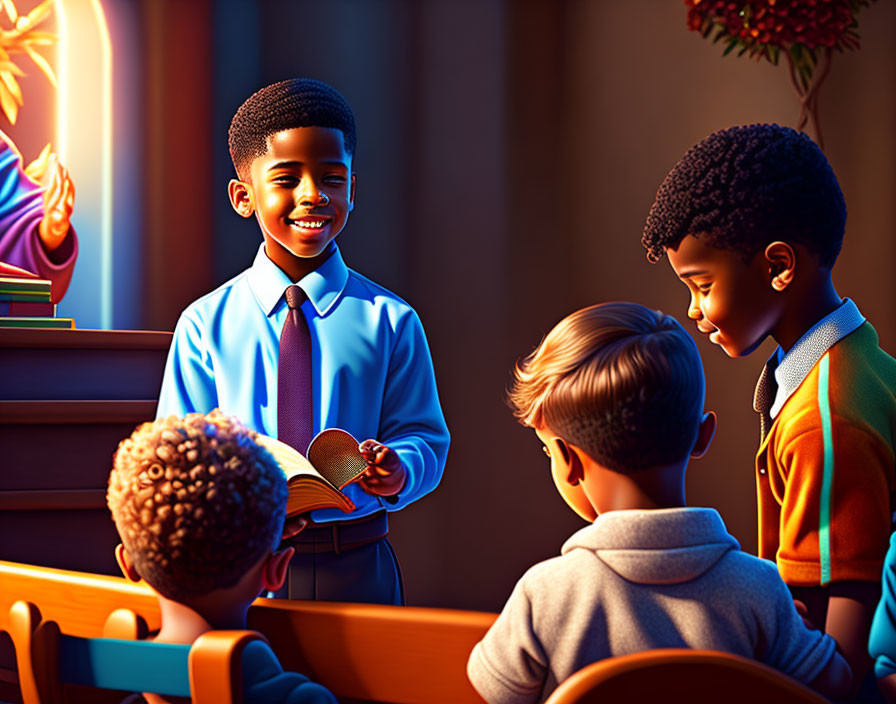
{"points": [[292, 145]]}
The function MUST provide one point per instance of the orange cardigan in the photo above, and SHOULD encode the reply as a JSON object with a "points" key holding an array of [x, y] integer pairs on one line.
{"points": [[825, 471]]}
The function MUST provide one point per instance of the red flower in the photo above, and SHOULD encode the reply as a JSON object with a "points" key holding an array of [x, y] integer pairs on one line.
{"points": [[758, 25]]}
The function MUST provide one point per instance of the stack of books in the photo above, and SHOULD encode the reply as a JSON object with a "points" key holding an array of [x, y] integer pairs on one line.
{"points": [[25, 301]]}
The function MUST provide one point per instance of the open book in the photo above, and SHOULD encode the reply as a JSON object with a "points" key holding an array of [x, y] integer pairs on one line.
{"points": [[315, 482], [16, 272]]}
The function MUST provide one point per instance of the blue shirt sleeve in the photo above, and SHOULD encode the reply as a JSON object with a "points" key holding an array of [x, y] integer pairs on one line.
{"points": [[412, 423], [265, 682], [882, 639], [188, 385]]}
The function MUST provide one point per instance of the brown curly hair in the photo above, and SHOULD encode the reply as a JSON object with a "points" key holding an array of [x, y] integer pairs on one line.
{"points": [[620, 381], [196, 502]]}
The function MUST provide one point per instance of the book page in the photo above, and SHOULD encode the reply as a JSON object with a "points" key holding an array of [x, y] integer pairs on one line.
{"points": [[290, 460], [335, 454]]}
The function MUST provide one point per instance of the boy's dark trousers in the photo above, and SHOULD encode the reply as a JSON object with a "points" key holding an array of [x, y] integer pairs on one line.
{"points": [[344, 561]]}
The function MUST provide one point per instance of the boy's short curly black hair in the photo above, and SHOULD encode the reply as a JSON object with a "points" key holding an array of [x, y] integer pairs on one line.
{"points": [[744, 187], [297, 102]]}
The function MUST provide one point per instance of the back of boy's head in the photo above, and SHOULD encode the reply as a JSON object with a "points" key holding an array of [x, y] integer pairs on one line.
{"points": [[297, 102], [620, 381], [744, 187], [196, 502]]}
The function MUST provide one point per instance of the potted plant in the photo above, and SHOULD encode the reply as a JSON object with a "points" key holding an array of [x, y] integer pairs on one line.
{"points": [[806, 32]]}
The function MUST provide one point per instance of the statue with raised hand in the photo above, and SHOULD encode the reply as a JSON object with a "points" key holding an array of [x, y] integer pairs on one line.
{"points": [[36, 202]]}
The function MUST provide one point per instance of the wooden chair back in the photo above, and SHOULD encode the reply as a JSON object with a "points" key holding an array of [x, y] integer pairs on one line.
{"points": [[680, 676], [396, 654], [371, 652], [209, 671]]}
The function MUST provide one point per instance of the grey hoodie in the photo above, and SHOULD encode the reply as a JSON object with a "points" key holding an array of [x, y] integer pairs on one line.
{"points": [[639, 580]]}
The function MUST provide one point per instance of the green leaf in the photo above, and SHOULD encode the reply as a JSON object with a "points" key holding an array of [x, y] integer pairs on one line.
{"points": [[8, 104], [10, 67], [37, 168], [12, 85], [41, 37], [35, 17], [42, 64], [10, 9]]}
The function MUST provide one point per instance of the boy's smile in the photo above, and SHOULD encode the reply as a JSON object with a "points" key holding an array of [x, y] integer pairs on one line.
{"points": [[732, 300], [302, 190]]}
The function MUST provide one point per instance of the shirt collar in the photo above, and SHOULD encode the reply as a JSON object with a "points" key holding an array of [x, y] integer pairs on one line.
{"points": [[323, 286], [795, 366]]}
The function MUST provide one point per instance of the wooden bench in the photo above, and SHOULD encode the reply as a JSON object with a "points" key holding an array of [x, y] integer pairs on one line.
{"points": [[398, 654], [51, 663]]}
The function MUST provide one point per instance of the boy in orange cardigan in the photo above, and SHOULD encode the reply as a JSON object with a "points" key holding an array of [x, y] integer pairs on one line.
{"points": [[752, 220]]}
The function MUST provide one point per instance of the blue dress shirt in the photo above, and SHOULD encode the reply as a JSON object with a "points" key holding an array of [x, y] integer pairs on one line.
{"points": [[373, 373]]}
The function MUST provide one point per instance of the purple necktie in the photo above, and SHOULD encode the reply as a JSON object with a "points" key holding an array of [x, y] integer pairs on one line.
{"points": [[294, 401]]}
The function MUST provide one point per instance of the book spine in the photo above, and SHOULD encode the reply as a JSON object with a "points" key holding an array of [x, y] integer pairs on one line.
{"points": [[23, 296], [11, 285], [37, 309], [30, 322]]}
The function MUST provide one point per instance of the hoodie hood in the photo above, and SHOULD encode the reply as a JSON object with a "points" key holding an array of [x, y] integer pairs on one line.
{"points": [[657, 546]]}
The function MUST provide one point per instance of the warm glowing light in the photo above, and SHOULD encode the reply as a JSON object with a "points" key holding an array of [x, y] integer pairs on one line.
{"points": [[106, 176], [50, 576], [61, 81], [77, 71]]}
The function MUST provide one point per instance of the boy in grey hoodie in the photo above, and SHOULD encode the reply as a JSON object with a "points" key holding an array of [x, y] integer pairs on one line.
{"points": [[615, 392]]}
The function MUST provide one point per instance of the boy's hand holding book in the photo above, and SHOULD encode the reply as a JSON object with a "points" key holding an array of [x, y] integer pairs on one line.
{"points": [[334, 460], [385, 474]]}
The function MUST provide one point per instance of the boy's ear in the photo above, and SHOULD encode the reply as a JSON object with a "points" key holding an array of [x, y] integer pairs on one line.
{"points": [[351, 194], [782, 264], [276, 567], [124, 563], [575, 470], [705, 434], [242, 198]]}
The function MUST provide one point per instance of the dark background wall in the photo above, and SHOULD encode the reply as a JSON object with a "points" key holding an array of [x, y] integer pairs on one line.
{"points": [[508, 154]]}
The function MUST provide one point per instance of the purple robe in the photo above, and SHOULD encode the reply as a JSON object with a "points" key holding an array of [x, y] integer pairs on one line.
{"points": [[21, 210]]}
